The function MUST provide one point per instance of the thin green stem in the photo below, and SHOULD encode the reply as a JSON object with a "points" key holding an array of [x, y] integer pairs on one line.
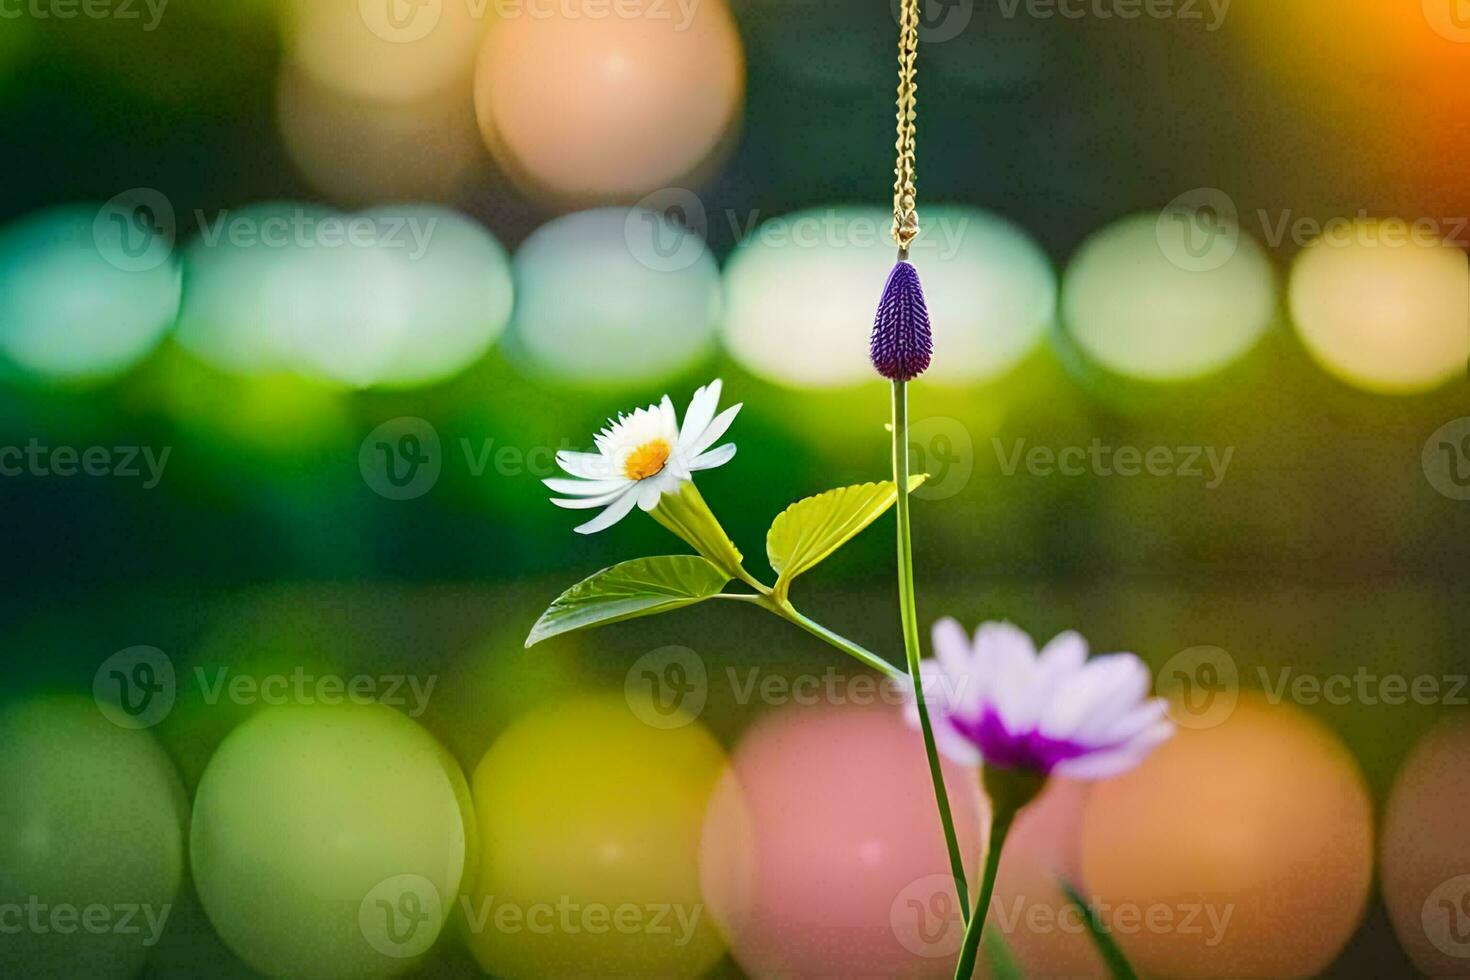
{"points": [[1000, 827], [842, 643], [907, 611], [788, 612]]}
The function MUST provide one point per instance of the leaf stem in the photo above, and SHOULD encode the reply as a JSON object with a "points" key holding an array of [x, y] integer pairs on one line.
{"points": [[788, 612], [907, 611]]}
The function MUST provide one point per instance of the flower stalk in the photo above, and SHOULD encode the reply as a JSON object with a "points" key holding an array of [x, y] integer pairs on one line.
{"points": [[909, 616], [1009, 791]]}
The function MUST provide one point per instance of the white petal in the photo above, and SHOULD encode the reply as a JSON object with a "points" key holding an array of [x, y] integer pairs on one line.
{"points": [[1095, 697], [585, 488], [1130, 725], [1065, 654], [713, 458], [590, 466], [612, 515], [701, 411], [589, 503], [1115, 762], [648, 495], [712, 433], [1009, 657], [953, 653], [669, 420]]}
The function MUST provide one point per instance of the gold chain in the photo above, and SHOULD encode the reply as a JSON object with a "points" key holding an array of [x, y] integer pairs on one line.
{"points": [[905, 195]]}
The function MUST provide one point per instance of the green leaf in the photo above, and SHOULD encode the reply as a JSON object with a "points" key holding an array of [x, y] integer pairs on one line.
{"points": [[644, 587], [1003, 965], [806, 533], [1118, 965]]}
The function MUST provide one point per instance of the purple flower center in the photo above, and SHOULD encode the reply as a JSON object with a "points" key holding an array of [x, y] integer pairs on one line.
{"points": [[1024, 750]]}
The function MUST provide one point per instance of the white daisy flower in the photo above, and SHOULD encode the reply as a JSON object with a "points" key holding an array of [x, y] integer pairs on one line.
{"points": [[996, 701], [642, 456]]}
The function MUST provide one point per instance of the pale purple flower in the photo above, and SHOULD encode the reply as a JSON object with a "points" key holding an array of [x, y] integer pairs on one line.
{"points": [[996, 701]]}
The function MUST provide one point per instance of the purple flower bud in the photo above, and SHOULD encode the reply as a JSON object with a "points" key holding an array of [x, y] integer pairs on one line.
{"points": [[902, 342]]}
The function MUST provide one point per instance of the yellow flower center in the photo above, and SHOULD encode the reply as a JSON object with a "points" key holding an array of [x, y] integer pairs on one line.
{"points": [[647, 460]]}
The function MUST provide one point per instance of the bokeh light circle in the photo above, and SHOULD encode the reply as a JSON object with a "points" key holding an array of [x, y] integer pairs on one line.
{"points": [[801, 291], [1168, 297], [822, 853], [1261, 829], [586, 102], [237, 307], [1383, 306], [991, 290], [459, 291], [314, 826], [385, 50], [86, 293], [588, 815], [593, 309], [91, 816], [1426, 851], [359, 152]]}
